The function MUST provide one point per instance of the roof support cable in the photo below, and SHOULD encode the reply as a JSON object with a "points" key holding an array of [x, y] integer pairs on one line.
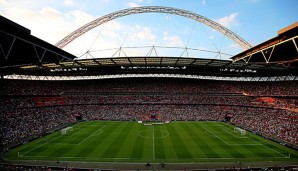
{"points": [[155, 51], [97, 37], [208, 36], [220, 49], [115, 53], [131, 26], [190, 35], [118, 38], [151, 50]]}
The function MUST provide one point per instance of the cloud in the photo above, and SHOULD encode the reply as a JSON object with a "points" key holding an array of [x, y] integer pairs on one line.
{"points": [[132, 4], [210, 37], [68, 2], [46, 23], [52, 24], [143, 33], [113, 36], [229, 20], [204, 2], [80, 17], [172, 40], [3, 2], [234, 46]]}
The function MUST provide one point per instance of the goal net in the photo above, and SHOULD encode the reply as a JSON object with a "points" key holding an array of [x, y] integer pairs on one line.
{"points": [[239, 130], [66, 130]]}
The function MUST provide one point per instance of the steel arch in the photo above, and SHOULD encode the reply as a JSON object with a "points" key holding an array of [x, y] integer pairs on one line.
{"points": [[153, 9]]}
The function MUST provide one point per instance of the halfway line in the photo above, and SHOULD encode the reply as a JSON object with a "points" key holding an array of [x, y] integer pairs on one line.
{"points": [[153, 144]]}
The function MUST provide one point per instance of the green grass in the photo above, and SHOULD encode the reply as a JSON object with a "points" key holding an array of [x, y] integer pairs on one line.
{"points": [[133, 142]]}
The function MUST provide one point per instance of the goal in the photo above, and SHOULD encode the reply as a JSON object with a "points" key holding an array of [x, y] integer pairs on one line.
{"points": [[66, 130], [239, 130]]}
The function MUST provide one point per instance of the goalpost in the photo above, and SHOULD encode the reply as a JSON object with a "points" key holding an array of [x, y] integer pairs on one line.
{"points": [[239, 130], [66, 130]]}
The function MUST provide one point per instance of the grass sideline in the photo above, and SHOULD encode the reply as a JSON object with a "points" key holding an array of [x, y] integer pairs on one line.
{"points": [[176, 142]]}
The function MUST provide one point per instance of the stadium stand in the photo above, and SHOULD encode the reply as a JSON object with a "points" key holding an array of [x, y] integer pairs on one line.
{"points": [[31, 110]]}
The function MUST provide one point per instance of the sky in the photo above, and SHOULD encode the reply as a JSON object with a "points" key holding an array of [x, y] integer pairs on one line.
{"points": [[152, 34]]}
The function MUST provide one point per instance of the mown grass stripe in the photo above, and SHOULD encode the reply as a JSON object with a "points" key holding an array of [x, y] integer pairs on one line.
{"points": [[190, 138], [32, 146], [224, 143], [179, 145], [169, 148], [148, 146], [159, 144], [257, 150], [191, 133], [130, 134], [85, 145], [138, 144], [117, 142], [99, 142], [203, 142], [272, 146]]}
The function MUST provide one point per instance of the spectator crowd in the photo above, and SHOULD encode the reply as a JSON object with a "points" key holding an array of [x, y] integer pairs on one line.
{"points": [[30, 109]]}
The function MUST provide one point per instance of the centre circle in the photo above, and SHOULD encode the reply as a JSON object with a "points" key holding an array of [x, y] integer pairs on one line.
{"points": [[153, 134]]}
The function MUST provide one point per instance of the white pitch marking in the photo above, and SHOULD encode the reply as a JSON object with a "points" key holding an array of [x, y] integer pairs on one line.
{"points": [[153, 144], [39, 146], [91, 135]]}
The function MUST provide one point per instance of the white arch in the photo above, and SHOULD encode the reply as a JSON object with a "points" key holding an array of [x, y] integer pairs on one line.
{"points": [[153, 9]]}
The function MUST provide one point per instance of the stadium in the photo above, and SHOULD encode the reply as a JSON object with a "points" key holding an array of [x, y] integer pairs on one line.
{"points": [[61, 112]]}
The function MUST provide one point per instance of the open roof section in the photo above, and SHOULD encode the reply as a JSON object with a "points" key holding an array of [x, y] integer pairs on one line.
{"points": [[19, 47]]}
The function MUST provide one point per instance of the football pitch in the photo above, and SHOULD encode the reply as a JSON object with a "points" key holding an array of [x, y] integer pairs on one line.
{"points": [[176, 142]]}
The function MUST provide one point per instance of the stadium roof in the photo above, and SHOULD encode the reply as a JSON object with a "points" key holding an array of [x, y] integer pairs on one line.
{"points": [[282, 49], [124, 65], [18, 47], [24, 54]]}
